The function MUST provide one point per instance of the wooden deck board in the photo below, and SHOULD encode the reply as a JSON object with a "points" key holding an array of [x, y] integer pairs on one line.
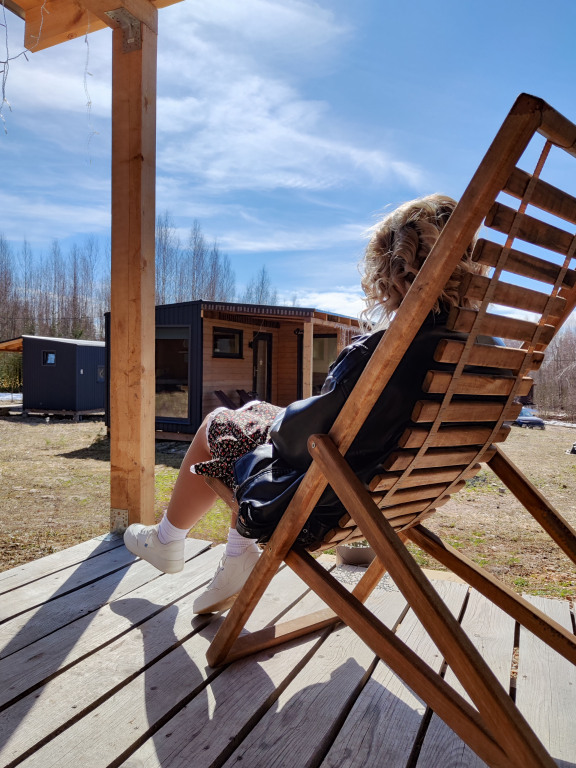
{"points": [[210, 726], [27, 668], [317, 698], [387, 712], [492, 632], [66, 606], [110, 670], [545, 687], [25, 574]]}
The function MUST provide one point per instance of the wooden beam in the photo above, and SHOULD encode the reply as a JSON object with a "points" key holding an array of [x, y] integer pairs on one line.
{"points": [[143, 10], [307, 359], [132, 318], [15, 8], [55, 21]]}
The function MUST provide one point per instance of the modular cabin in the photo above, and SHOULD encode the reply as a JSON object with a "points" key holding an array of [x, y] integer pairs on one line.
{"points": [[61, 376], [275, 353]]}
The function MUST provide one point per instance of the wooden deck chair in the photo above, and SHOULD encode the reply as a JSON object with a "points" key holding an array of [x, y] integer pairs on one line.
{"points": [[459, 426], [225, 400], [246, 397]]}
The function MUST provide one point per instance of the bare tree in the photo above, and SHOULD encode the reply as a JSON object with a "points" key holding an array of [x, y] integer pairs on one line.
{"points": [[197, 261], [260, 290], [27, 315], [167, 257], [66, 294], [205, 271], [7, 294], [554, 383]]}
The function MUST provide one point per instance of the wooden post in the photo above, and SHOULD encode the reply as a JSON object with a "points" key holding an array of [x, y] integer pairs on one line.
{"points": [[132, 320], [307, 359]]}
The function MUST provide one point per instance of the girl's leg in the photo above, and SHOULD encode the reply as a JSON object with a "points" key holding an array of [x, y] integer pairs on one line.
{"points": [[191, 497], [162, 545]]}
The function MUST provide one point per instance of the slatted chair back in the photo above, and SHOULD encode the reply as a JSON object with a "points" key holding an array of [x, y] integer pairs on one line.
{"points": [[522, 301], [464, 413]]}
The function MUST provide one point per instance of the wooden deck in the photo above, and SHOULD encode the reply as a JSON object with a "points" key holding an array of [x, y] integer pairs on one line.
{"points": [[102, 664]]}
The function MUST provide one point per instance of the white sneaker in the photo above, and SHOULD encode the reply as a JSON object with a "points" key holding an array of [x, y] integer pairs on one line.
{"points": [[230, 577], [143, 541]]}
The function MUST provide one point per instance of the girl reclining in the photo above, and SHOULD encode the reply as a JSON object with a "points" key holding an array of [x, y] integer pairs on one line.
{"points": [[259, 451]]}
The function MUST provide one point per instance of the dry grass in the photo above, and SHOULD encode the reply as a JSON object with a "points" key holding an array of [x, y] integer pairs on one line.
{"points": [[55, 493], [486, 522]]}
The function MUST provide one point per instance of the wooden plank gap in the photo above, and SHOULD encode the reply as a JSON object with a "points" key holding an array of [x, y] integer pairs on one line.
{"points": [[514, 662], [110, 641], [326, 744], [268, 703]]}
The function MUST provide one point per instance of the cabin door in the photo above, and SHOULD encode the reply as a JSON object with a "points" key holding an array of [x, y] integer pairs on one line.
{"points": [[262, 369]]}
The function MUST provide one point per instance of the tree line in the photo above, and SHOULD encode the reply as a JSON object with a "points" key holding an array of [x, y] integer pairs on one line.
{"points": [[65, 294], [554, 384]]}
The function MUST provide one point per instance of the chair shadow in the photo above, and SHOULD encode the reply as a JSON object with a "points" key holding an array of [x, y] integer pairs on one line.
{"points": [[46, 616], [184, 698], [202, 728]]}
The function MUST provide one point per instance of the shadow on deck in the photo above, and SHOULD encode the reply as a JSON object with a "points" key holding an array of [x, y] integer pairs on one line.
{"points": [[102, 663]]}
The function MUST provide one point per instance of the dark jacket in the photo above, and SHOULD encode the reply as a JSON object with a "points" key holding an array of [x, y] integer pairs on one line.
{"points": [[268, 476]]}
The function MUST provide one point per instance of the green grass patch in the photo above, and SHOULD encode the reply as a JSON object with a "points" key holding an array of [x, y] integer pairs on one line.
{"points": [[214, 525], [484, 482], [564, 590], [164, 480], [423, 559]]}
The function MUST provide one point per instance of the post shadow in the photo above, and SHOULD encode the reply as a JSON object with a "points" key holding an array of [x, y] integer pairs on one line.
{"points": [[45, 621]]}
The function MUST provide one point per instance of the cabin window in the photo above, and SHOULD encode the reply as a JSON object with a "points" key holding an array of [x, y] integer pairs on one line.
{"points": [[172, 372], [325, 351], [227, 342], [48, 357]]}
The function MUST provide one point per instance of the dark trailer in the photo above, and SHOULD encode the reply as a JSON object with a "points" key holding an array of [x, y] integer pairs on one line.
{"points": [[61, 376]]}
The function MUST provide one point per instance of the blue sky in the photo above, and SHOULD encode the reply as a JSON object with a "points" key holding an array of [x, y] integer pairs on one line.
{"points": [[286, 128]]}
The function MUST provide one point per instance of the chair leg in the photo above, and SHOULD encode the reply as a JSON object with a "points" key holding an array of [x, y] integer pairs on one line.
{"points": [[369, 580], [548, 630], [426, 683], [531, 498], [496, 708], [287, 530], [277, 634], [280, 633]]}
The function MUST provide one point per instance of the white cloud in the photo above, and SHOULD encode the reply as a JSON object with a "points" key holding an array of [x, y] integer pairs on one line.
{"points": [[342, 301], [280, 240], [60, 79], [232, 111], [51, 219], [235, 116]]}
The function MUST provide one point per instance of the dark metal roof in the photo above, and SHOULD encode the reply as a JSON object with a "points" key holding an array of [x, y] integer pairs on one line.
{"points": [[268, 310], [15, 345]]}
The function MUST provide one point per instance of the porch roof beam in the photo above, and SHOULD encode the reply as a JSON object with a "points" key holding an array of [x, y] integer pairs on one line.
{"points": [[55, 21]]}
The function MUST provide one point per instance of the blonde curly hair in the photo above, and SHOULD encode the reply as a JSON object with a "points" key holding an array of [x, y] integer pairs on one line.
{"points": [[399, 245]]}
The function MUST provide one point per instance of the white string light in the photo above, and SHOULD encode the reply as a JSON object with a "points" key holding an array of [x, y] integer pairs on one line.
{"points": [[37, 37], [5, 68], [87, 74]]}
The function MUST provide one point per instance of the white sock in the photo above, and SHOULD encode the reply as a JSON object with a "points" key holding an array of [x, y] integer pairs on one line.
{"points": [[168, 532], [236, 544]]}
